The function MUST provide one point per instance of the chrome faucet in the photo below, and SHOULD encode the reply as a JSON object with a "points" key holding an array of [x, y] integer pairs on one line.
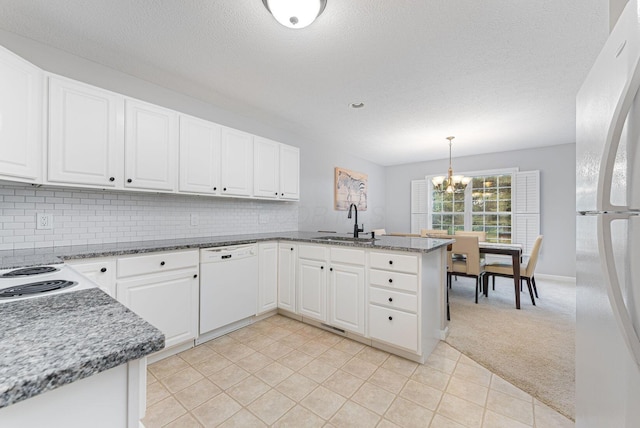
{"points": [[356, 229]]}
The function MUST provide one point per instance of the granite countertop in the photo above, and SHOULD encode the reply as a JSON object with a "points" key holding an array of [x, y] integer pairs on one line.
{"points": [[50, 341], [52, 255]]}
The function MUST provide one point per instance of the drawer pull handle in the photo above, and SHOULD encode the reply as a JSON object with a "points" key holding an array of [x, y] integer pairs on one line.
{"points": [[390, 280], [103, 270], [391, 299], [161, 263], [390, 318], [390, 262]]}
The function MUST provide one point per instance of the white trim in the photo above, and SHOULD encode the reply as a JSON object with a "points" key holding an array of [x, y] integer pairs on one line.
{"points": [[567, 279]]}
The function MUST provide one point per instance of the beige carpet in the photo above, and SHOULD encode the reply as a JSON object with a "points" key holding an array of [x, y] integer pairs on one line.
{"points": [[533, 348]]}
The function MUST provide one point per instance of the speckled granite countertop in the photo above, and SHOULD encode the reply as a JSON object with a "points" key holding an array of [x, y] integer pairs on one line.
{"points": [[51, 255], [50, 341]]}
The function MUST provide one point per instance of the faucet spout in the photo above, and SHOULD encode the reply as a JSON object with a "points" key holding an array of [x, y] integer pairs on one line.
{"points": [[356, 228]]}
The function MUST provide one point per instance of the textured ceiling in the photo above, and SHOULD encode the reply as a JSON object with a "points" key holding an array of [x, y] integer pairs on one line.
{"points": [[497, 74]]}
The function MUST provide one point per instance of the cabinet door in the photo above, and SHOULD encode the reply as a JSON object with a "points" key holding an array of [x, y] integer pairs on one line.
{"points": [[102, 272], [346, 297], [236, 162], [199, 156], [287, 256], [268, 277], [21, 103], [86, 137], [289, 172], [151, 145], [312, 289], [266, 168], [169, 303]]}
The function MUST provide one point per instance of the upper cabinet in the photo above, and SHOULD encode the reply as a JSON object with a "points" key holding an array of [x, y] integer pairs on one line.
{"points": [[151, 146], [21, 124], [289, 172], [199, 156], [86, 138], [276, 170], [236, 162]]}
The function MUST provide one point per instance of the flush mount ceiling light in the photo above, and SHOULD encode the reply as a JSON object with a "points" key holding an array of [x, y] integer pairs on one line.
{"points": [[295, 13], [451, 183], [356, 105]]}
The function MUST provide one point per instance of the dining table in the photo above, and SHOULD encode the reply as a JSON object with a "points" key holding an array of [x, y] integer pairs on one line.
{"points": [[513, 250]]}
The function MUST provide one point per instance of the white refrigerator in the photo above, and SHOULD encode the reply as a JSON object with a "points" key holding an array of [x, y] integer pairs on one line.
{"points": [[608, 233]]}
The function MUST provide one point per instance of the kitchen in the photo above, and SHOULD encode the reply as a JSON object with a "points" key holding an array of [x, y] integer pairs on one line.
{"points": [[79, 216]]}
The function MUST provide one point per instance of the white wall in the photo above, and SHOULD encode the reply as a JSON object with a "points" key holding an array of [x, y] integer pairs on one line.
{"points": [[317, 162], [557, 192]]}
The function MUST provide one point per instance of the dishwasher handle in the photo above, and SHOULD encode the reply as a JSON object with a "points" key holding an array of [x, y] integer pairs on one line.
{"points": [[226, 256]]}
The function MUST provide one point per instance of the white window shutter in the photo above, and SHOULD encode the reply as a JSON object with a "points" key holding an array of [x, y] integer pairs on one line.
{"points": [[419, 205], [526, 215]]}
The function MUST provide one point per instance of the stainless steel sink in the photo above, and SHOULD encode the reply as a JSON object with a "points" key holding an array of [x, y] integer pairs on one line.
{"points": [[346, 239]]}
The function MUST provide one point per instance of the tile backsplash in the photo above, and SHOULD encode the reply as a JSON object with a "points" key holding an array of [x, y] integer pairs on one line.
{"points": [[81, 216]]}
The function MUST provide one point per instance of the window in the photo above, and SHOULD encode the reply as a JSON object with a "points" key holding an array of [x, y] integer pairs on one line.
{"points": [[485, 205]]}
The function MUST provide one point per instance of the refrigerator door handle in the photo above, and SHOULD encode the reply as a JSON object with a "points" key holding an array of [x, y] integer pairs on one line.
{"points": [[605, 247], [614, 133]]}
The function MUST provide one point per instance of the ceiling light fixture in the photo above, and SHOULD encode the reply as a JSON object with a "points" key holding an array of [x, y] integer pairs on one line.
{"points": [[451, 183], [356, 105], [295, 13]]}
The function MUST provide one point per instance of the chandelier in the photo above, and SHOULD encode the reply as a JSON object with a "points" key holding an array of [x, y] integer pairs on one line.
{"points": [[451, 183]]}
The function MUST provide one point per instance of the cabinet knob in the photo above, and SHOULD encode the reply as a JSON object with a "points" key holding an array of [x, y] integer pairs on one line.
{"points": [[103, 270], [291, 248], [224, 189], [281, 194], [321, 267], [161, 263], [215, 188], [112, 179], [331, 269], [390, 262], [390, 318], [390, 280], [276, 193], [391, 299], [195, 275], [129, 180]]}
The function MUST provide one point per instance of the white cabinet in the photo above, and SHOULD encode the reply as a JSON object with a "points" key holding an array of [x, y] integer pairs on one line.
{"points": [[102, 271], [86, 134], [287, 257], [266, 168], [151, 146], [331, 286], [267, 277], [276, 170], [236, 166], [199, 156], [163, 289], [394, 313], [21, 122], [289, 172]]}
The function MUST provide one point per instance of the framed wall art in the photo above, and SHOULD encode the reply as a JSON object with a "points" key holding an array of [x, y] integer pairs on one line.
{"points": [[350, 188]]}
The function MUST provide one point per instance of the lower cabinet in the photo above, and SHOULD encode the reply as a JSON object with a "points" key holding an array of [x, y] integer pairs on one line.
{"points": [[346, 297], [267, 277], [163, 289], [312, 289], [102, 271], [287, 257]]}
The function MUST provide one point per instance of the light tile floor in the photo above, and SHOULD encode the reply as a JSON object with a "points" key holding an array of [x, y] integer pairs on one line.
{"points": [[282, 373]]}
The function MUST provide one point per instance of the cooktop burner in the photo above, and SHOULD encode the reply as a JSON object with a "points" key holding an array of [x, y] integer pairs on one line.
{"points": [[36, 288], [29, 271]]}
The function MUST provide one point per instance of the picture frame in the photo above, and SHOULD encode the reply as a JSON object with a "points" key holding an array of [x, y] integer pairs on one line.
{"points": [[350, 187]]}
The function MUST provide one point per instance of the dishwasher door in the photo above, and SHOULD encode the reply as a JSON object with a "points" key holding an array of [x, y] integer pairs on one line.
{"points": [[228, 285]]}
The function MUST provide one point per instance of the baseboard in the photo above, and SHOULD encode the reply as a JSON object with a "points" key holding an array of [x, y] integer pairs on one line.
{"points": [[570, 279]]}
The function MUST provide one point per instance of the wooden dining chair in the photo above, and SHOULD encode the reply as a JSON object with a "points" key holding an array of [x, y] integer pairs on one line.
{"points": [[526, 271], [482, 236], [379, 232], [470, 266]]}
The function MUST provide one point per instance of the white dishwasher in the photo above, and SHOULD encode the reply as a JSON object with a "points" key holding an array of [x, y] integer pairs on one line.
{"points": [[228, 285]]}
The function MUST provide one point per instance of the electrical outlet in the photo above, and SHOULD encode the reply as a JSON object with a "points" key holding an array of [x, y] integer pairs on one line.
{"points": [[44, 221], [194, 219]]}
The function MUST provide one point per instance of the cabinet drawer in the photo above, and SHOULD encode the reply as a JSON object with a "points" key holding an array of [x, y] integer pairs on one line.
{"points": [[394, 327], [314, 252], [156, 262], [394, 262], [393, 299], [401, 281], [347, 255]]}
